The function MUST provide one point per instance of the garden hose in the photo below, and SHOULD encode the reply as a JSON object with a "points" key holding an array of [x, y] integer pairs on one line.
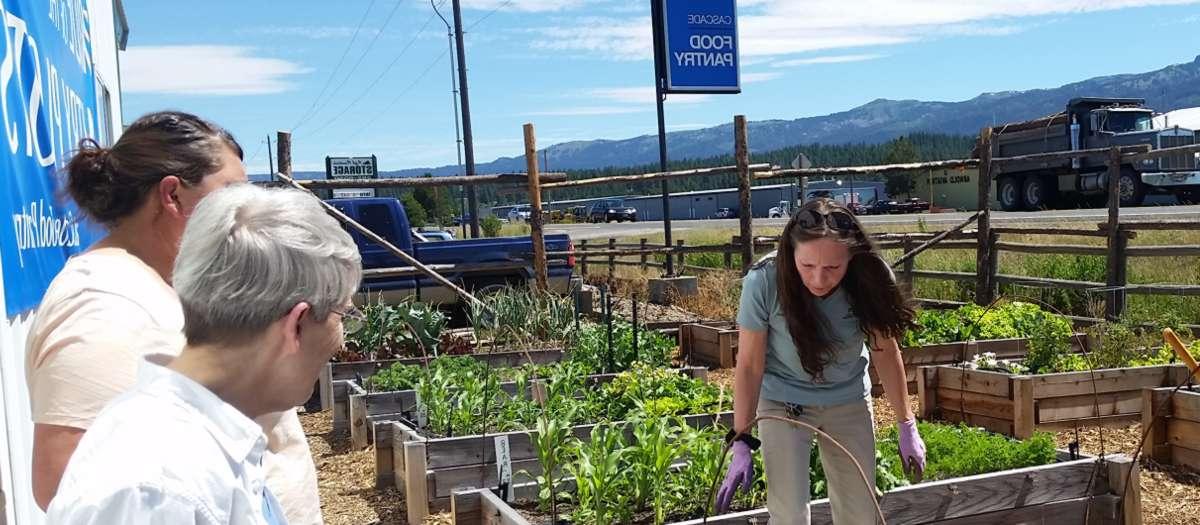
{"points": [[725, 451]]}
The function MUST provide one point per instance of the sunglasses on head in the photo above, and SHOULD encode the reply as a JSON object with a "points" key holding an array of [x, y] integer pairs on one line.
{"points": [[836, 220]]}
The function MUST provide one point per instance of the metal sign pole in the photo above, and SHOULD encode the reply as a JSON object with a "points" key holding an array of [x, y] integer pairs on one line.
{"points": [[659, 97]]}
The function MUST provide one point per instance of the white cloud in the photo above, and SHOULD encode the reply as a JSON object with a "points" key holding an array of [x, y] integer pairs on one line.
{"points": [[204, 70], [778, 28], [587, 111], [641, 95], [831, 59], [317, 32], [754, 78]]}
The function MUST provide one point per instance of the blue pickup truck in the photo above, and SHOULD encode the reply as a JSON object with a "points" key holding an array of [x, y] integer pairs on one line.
{"points": [[488, 264]]}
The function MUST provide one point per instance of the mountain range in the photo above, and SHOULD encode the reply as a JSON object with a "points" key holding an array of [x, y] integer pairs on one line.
{"points": [[1172, 87]]}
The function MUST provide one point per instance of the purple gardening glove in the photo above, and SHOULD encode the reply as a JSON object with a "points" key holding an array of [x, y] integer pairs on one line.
{"points": [[912, 449], [740, 474]]}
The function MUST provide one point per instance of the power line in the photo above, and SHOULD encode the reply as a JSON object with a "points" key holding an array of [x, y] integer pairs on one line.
{"points": [[362, 56], [379, 78], [256, 152], [397, 99], [504, 4], [309, 112]]}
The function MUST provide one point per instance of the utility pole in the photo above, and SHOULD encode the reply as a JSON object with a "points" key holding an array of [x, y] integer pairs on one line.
{"points": [[660, 59], [270, 159], [458, 143], [464, 100]]}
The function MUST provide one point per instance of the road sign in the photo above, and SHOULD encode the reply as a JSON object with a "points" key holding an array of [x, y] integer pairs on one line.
{"points": [[700, 46], [352, 168]]}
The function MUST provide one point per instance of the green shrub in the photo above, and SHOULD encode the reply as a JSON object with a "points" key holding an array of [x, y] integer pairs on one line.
{"points": [[954, 451], [491, 226]]}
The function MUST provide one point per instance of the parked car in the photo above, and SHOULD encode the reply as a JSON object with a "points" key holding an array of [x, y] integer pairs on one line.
{"points": [[858, 208], [914, 205], [726, 213], [461, 220], [507, 258], [519, 214], [883, 207], [784, 209], [609, 210]]}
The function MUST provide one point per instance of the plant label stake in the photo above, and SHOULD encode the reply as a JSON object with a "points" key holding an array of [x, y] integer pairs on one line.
{"points": [[608, 343], [422, 411], [539, 392], [504, 468], [636, 353]]}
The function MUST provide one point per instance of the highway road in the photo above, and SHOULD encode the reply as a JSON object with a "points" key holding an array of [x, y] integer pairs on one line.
{"points": [[1040, 218]]}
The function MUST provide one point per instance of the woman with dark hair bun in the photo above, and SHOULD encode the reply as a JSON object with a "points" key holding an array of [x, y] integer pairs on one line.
{"points": [[807, 317], [113, 305]]}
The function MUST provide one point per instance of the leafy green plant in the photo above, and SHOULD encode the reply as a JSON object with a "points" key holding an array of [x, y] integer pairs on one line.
{"points": [[1003, 321], [959, 450], [491, 226], [402, 330], [653, 348]]}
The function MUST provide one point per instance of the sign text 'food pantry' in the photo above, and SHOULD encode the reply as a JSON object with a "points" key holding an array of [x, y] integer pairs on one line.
{"points": [[700, 44]]}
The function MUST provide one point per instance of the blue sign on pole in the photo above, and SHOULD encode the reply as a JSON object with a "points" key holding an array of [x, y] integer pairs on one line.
{"points": [[48, 103], [700, 46]]}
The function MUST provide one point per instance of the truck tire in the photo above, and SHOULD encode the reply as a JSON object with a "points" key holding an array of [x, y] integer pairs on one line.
{"points": [[1130, 187], [1008, 192], [1036, 193]]}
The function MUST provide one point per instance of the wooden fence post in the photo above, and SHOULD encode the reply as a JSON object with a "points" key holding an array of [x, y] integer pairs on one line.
{"points": [[642, 243], [983, 288], [1115, 302], [283, 152], [679, 243], [535, 210], [728, 255], [993, 268], [745, 214], [612, 259], [583, 257], [910, 265]]}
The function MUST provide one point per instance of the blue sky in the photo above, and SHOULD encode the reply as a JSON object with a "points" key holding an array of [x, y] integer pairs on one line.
{"points": [[581, 69]]}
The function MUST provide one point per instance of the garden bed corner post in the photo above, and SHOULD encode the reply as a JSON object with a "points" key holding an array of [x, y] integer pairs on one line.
{"points": [[1023, 407]]}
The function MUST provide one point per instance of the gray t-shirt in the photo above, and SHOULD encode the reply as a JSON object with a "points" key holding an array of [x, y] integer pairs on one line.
{"points": [[784, 379]]}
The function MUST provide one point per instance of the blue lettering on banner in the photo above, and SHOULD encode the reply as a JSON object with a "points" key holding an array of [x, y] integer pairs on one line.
{"points": [[47, 103], [700, 38]]}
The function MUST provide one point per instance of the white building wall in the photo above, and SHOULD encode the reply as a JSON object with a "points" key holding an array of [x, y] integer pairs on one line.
{"points": [[16, 441]]}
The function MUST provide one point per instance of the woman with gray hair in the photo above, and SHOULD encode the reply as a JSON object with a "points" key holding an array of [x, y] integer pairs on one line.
{"points": [[266, 280], [113, 304]]}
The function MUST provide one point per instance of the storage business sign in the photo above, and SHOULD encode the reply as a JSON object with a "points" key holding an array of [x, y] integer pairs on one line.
{"points": [[700, 46], [48, 89], [352, 168]]}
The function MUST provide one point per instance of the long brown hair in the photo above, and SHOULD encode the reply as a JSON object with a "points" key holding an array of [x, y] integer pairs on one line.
{"points": [[874, 296], [110, 184]]}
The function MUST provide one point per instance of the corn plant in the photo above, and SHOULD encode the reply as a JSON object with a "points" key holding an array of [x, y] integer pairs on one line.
{"points": [[654, 449], [601, 484], [550, 444]]}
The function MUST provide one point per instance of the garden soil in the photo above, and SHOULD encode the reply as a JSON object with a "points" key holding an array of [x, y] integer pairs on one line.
{"points": [[1170, 496]]}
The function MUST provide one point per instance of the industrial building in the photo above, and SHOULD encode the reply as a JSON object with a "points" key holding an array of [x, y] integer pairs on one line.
{"points": [[705, 203]]}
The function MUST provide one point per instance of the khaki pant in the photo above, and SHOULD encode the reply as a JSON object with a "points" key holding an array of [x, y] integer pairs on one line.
{"points": [[786, 450]]}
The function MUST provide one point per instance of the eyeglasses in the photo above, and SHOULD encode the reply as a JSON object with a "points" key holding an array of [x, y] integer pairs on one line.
{"points": [[836, 220], [353, 319]]}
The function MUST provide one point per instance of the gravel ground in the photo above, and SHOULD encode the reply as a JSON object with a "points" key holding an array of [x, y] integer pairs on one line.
{"points": [[1170, 496]]}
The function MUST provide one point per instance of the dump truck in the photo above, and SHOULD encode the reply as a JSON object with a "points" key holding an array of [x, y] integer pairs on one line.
{"points": [[1090, 123]]}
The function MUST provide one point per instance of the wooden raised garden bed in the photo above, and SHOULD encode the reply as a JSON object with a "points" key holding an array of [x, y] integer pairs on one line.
{"points": [[1059, 493], [1016, 405], [1174, 427], [334, 382], [429, 471], [715, 345], [368, 408]]}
